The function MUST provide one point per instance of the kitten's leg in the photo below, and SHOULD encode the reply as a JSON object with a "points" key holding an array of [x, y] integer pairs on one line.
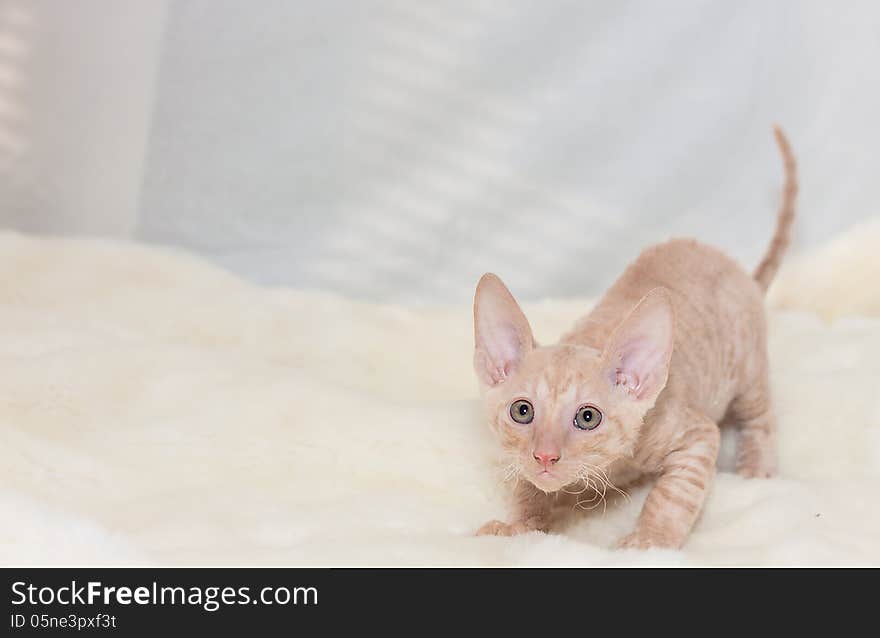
{"points": [[752, 413], [676, 499], [530, 512]]}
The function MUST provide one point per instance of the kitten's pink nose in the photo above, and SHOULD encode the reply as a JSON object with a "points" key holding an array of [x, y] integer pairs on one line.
{"points": [[546, 458]]}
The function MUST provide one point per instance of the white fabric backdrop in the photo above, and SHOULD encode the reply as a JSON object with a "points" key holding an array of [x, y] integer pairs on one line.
{"points": [[76, 97], [395, 150]]}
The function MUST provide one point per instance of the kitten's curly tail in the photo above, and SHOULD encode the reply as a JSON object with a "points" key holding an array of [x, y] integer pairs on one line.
{"points": [[766, 270]]}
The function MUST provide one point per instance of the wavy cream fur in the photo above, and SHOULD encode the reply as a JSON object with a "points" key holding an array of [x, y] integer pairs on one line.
{"points": [[154, 409]]}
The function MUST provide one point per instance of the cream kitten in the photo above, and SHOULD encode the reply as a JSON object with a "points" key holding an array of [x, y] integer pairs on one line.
{"points": [[638, 386]]}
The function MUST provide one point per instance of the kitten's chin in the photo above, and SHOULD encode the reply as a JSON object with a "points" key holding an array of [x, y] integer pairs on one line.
{"points": [[548, 482]]}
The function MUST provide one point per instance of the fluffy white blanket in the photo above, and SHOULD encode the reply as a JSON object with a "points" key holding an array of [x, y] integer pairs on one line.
{"points": [[154, 409]]}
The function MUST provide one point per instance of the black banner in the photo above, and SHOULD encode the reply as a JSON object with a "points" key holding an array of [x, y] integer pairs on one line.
{"points": [[151, 601]]}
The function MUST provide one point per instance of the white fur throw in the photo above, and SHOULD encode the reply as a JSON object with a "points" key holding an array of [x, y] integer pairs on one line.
{"points": [[156, 410]]}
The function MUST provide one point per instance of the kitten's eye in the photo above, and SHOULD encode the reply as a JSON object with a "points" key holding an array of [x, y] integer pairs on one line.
{"points": [[522, 411], [587, 417]]}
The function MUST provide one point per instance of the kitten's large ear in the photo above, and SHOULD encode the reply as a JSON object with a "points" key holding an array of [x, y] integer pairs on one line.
{"points": [[502, 335], [637, 353]]}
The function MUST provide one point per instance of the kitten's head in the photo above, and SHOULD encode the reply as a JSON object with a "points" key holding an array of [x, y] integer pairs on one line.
{"points": [[566, 411]]}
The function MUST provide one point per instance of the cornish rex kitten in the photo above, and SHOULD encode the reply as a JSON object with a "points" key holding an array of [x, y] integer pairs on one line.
{"points": [[638, 386]]}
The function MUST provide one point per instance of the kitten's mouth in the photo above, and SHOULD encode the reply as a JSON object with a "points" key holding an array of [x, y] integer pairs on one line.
{"points": [[547, 481]]}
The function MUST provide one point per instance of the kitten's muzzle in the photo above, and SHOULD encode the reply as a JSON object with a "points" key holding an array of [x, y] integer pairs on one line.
{"points": [[546, 459]]}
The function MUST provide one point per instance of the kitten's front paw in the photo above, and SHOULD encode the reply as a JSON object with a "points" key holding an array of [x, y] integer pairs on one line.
{"points": [[757, 468], [756, 472], [758, 462], [634, 541], [641, 540], [500, 528]]}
